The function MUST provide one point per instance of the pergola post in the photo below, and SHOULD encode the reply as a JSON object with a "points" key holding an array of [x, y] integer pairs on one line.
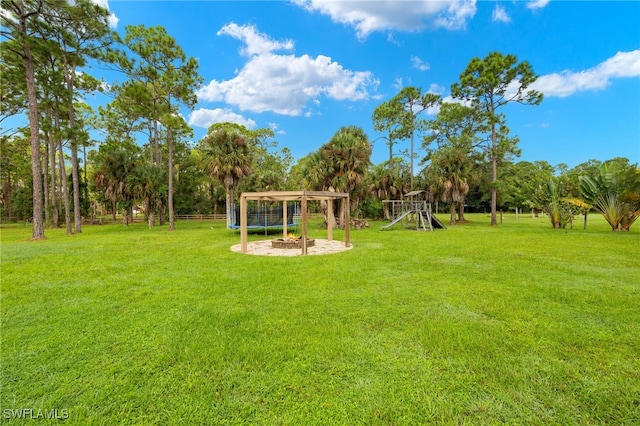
{"points": [[285, 219], [347, 225], [330, 219], [243, 224], [303, 219]]}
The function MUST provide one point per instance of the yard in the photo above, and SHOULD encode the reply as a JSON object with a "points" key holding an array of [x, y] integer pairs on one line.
{"points": [[518, 324]]}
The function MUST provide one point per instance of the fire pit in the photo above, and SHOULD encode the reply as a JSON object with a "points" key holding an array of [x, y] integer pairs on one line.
{"points": [[291, 243]]}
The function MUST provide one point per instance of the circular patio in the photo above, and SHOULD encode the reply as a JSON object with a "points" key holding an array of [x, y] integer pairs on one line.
{"points": [[265, 248]]}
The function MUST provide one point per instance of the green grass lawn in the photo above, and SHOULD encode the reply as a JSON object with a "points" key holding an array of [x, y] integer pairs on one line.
{"points": [[518, 324]]}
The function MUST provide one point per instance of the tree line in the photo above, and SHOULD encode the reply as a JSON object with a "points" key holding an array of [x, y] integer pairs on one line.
{"points": [[148, 162]]}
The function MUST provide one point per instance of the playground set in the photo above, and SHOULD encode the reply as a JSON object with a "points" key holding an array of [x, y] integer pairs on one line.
{"points": [[414, 206]]}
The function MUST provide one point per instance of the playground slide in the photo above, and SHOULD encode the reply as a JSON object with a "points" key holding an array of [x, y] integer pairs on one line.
{"points": [[436, 223], [398, 219]]}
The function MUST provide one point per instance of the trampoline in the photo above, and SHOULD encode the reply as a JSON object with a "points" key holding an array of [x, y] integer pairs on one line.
{"points": [[264, 216]]}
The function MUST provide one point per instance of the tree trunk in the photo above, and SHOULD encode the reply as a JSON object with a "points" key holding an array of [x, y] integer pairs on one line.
{"points": [[161, 212], [229, 192], [45, 185], [390, 153], [7, 193], [461, 211], [125, 216], [75, 178], [63, 182], [172, 226], [494, 176], [54, 197], [452, 213], [151, 218], [214, 201], [411, 154], [385, 211], [36, 167], [585, 219]]}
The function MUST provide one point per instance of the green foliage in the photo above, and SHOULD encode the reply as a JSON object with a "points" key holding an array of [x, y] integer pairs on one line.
{"points": [[226, 155], [487, 83], [520, 184], [114, 168], [388, 183], [615, 193], [15, 175], [386, 119], [540, 329], [551, 198]]}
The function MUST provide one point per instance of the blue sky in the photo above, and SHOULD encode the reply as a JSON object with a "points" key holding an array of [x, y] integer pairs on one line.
{"points": [[307, 67]]}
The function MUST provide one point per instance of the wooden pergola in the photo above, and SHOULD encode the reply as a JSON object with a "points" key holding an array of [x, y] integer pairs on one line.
{"points": [[303, 197]]}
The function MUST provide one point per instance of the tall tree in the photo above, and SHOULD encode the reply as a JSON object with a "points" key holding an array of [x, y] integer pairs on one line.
{"points": [[82, 32], [165, 79], [346, 158], [489, 84], [20, 22], [386, 119], [406, 108], [51, 32]]}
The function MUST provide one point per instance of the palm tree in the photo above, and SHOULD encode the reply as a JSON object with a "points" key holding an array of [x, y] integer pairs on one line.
{"points": [[347, 159], [227, 158], [113, 168], [450, 169], [615, 193], [313, 172], [347, 156], [550, 198], [389, 183], [148, 184]]}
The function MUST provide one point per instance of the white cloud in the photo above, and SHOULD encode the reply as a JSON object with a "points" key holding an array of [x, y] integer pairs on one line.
{"points": [[420, 64], [434, 110], [284, 84], [457, 14], [436, 89], [566, 83], [500, 15], [112, 19], [370, 16], [274, 127], [537, 4], [203, 117], [256, 43]]}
